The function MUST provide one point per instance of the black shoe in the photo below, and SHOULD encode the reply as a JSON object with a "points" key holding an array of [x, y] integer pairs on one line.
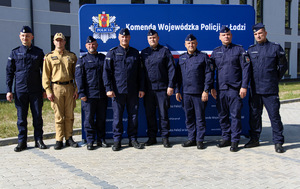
{"points": [[200, 145], [135, 144], [166, 143], [234, 147], [188, 143], [40, 144], [279, 148], [252, 143], [224, 143], [90, 146], [20, 147], [116, 146], [58, 145], [103, 144], [71, 142], [150, 141]]}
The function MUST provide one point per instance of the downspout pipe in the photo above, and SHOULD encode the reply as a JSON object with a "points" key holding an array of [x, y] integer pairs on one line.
{"points": [[31, 19]]}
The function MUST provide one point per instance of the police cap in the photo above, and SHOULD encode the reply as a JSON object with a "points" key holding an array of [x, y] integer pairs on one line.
{"points": [[190, 37], [90, 39], [151, 32], [26, 29], [224, 29], [124, 31], [59, 36], [257, 27]]}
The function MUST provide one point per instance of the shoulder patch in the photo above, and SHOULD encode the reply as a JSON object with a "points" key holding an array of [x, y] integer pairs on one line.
{"points": [[73, 53], [239, 45], [252, 46], [49, 53], [165, 47], [113, 48], [16, 48], [217, 47]]}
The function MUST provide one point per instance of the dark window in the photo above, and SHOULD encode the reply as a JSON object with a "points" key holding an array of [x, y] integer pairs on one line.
{"points": [[287, 13], [163, 1], [66, 30], [243, 2], [5, 3], [187, 2], [299, 18], [224, 1], [259, 11], [60, 5], [82, 2], [287, 54], [137, 1], [298, 61]]}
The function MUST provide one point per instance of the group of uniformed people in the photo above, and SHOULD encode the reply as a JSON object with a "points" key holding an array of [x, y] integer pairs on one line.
{"points": [[125, 75]]}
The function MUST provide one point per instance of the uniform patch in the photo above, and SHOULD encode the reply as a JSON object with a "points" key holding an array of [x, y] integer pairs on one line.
{"points": [[90, 61], [78, 65], [54, 58], [282, 52], [254, 52], [119, 54], [107, 58], [247, 59], [183, 58], [9, 58]]}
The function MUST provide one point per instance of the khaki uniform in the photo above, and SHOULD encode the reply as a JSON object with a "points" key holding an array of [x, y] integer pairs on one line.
{"points": [[61, 68]]}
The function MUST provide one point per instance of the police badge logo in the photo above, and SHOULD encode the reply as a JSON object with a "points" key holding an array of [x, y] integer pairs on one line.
{"points": [[104, 27]]}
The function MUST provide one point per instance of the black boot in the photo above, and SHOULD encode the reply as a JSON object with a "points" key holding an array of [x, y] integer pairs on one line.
{"points": [[40, 144], [234, 147], [279, 148], [150, 141], [116, 146], [20, 147], [224, 143], [58, 145], [252, 143], [166, 143], [71, 142], [189, 143], [200, 145]]}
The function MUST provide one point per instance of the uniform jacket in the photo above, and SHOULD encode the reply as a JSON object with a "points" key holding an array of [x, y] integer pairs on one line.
{"points": [[58, 68], [269, 64], [123, 72], [232, 66], [159, 68], [88, 75], [25, 65], [194, 73]]}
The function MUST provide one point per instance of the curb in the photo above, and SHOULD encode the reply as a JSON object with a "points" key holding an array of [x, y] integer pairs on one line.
{"points": [[30, 138], [290, 101]]}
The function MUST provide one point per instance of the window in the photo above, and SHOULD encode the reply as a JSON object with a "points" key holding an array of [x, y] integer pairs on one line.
{"points": [[224, 1], [243, 2], [287, 50], [187, 2], [60, 5], [5, 3], [298, 60], [82, 2], [259, 11], [288, 17], [163, 1], [66, 30], [137, 1], [299, 18]]}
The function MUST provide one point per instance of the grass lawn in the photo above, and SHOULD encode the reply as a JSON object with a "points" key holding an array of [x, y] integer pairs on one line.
{"points": [[8, 113]]}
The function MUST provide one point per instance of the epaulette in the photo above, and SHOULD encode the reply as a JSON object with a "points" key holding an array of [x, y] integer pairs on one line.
{"points": [[217, 47], [113, 48], [239, 45], [183, 54], [83, 55], [275, 43], [165, 47], [17, 48], [49, 53], [73, 53], [252, 46]]}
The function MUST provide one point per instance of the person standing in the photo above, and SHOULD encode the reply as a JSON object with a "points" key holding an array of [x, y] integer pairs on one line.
{"points": [[232, 67], [24, 65], [91, 90], [159, 68], [195, 76], [58, 81], [123, 78], [269, 64]]}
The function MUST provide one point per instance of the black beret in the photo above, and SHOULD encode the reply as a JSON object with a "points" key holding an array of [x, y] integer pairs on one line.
{"points": [[26, 29], [190, 37], [90, 39], [151, 32], [124, 31], [257, 27], [224, 29]]}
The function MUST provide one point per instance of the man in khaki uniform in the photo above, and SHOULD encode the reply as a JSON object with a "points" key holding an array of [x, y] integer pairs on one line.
{"points": [[58, 81]]}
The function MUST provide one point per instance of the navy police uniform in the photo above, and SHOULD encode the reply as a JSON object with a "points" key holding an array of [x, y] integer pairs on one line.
{"points": [[195, 76], [25, 66], [88, 75], [160, 74], [123, 74], [269, 64], [232, 69]]}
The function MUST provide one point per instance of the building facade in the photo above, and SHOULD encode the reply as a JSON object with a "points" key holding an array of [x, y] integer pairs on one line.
{"points": [[46, 17]]}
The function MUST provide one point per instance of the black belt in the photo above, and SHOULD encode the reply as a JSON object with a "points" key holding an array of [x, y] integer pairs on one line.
{"points": [[63, 83]]}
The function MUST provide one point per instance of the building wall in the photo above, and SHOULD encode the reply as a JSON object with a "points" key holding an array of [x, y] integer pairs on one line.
{"points": [[13, 18]]}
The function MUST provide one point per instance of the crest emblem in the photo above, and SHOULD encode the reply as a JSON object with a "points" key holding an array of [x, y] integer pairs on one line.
{"points": [[104, 27]]}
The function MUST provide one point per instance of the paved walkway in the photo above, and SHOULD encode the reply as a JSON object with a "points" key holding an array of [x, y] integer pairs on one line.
{"points": [[157, 167]]}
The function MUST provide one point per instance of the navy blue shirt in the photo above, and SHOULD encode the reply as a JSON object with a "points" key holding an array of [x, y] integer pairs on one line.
{"points": [[194, 73], [159, 68], [269, 64], [232, 66], [123, 72], [88, 75], [25, 65]]}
